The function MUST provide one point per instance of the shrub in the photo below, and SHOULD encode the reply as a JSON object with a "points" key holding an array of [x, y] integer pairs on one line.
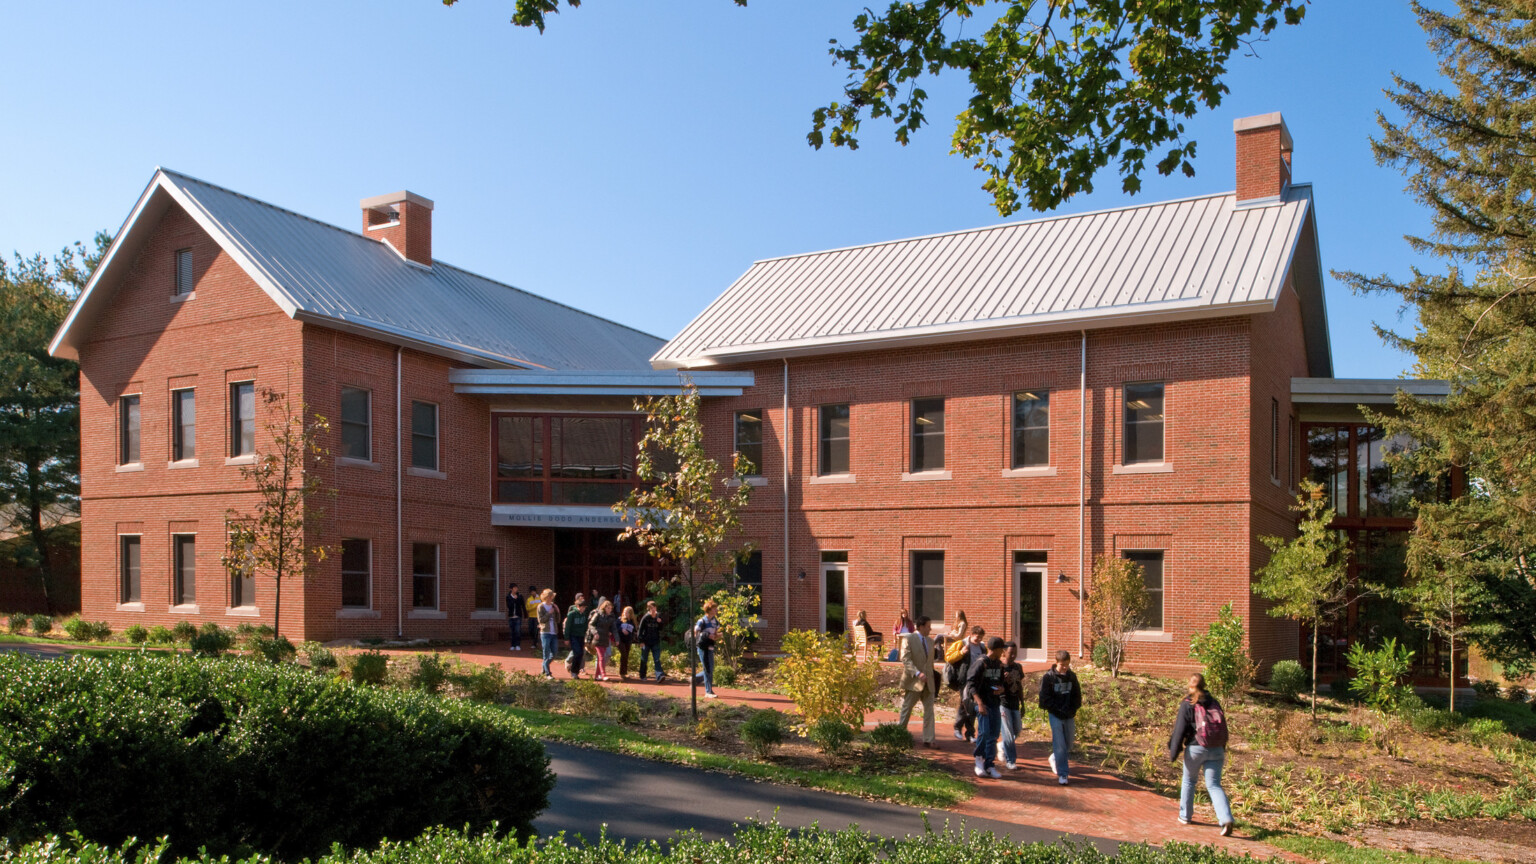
{"points": [[79, 629], [184, 632], [320, 657], [101, 631], [1295, 731], [1517, 694], [273, 649], [763, 731], [1100, 654], [824, 680], [237, 755], [136, 634], [830, 734], [17, 622], [587, 699], [529, 691], [1288, 678], [211, 640], [430, 673], [1486, 689], [627, 713], [890, 738], [367, 667], [482, 683], [1485, 731], [725, 676], [1426, 717], [41, 624], [1379, 673], [161, 635], [1220, 650]]}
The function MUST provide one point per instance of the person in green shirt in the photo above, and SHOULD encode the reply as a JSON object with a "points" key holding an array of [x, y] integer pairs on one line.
{"points": [[576, 634]]}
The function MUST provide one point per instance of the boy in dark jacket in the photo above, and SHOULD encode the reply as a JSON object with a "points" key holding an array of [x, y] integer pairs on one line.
{"points": [[576, 635], [1060, 697], [650, 638], [985, 684], [965, 711]]}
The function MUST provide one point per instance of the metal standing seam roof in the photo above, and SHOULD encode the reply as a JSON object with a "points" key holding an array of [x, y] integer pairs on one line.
{"points": [[1197, 257], [327, 275]]}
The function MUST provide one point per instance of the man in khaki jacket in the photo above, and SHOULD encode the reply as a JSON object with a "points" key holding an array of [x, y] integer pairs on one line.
{"points": [[917, 678]]}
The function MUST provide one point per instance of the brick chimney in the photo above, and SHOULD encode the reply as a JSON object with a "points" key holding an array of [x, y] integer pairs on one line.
{"points": [[1263, 158], [404, 221]]}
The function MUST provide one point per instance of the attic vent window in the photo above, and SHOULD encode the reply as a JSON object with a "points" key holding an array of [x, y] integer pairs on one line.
{"points": [[183, 272]]}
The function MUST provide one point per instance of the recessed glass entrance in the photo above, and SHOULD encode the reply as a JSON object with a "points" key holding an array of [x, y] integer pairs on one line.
{"points": [[834, 592], [1029, 575]]}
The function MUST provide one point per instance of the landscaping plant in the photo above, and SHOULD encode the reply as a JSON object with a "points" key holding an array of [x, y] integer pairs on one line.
{"points": [[184, 632], [136, 634], [1116, 603], [830, 734], [824, 680], [1287, 678], [763, 731], [41, 624], [890, 738], [16, 622], [1221, 651], [211, 641], [367, 667], [1380, 673]]}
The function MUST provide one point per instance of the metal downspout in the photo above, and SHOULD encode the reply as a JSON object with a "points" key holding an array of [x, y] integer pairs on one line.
{"points": [[399, 518], [1082, 483], [786, 493]]}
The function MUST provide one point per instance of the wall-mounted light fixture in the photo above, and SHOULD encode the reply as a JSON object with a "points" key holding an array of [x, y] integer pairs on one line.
{"points": [[1061, 578], [802, 575]]}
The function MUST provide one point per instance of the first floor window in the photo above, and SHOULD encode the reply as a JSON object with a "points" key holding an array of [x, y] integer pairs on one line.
{"points": [[485, 578], [424, 575], [928, 585], [356, 439], [242, 574], [356, 573], [1031, 428], [749, 439], [1143, 423], [833, 455], [184, 587], [1274, 439], [242, 418], [128, 425], [129, 592], [424, 435], [750, 572], [1151, 564]]}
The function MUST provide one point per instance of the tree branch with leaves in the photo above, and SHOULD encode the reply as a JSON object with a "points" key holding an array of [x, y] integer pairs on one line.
{"points": [[1116, 606]]}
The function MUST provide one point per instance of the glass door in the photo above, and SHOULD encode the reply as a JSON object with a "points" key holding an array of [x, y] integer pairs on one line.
{"points": [[834, 598], [1030, 581]]}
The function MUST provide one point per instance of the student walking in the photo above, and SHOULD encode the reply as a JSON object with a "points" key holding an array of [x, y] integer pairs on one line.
{"points": [[576, 634], [1013, 703], [986, 688], [1200, 730], [515, 612], [600, 637], [548, 616], [918, 683], [705, 632], [627, 631], [965, 710], [650, 638], [1060, 697]]}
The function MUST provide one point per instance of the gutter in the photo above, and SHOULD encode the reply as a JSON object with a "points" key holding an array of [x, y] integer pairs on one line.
{"points": [[1082, 484], [399, 534], [786, 494]]}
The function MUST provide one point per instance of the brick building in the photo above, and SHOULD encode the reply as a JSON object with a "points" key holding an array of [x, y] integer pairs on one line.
{"points": [[964, 421]]}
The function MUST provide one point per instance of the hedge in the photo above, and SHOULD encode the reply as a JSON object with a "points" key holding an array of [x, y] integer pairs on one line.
{"points": [[753, 843], [240, 756]]}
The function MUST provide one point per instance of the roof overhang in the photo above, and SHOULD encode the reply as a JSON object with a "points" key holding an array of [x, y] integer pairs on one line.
{"points": [[1363, 391], [518, 382]]}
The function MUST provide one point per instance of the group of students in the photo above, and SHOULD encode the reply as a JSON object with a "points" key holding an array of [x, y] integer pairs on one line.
{"points": [[597, 628], [990, 681]]}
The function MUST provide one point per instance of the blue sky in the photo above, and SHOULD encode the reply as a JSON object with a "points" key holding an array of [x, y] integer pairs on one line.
{"points": [[633, 160]]}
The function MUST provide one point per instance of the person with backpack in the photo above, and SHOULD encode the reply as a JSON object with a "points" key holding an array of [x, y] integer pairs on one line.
{"points": [[576, 635], [600, 636], [960, 657], [705, 631], [1060, 697], [650, 638], [515, 611], [1013, 704], [1200, 730], [985, 686], [548, 616], [917, 678]]}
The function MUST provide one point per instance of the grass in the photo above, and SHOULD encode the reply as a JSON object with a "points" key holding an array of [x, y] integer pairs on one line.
{"points": [[1336, 852], [923, 786]]}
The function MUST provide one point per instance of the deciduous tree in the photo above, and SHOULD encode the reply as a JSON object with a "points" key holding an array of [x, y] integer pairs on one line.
{"points": [[1116, 606]]}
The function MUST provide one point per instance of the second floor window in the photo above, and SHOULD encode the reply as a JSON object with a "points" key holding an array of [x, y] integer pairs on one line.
{"points": [[1031, 429], [183, 425], [833, 452], [128, 424], [356, 438], [242, 418], [424, 435], [927, 435], [749, 439], [1143, 423]]}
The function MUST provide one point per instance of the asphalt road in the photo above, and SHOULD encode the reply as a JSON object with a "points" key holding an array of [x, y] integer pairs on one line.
{"points": [[642, 800]]}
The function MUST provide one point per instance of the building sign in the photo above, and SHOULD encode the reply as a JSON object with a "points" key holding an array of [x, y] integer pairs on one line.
{"points": [[540, 516]]}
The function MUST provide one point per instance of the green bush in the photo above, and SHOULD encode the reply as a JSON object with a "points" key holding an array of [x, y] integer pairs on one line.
{"points": [[136, 634], [41, 624], [273, 649], [101, 631], [320, 658], [16, 622], [1220, 650], [241, 757], [1485, 731], [824, 679], [725, 675], [1427, 718], [529, 691], [1517, 719], [1486, 689], [763, 731], [184, 632], [79, 629], [367, 667], [830, 734], [1100, 654], [627, 713], [587, 699], [1287, 678], [430, 673], [1380, 672], [210, 641], [890, 738], [482, 683], [161, 635], [1517, 694]]}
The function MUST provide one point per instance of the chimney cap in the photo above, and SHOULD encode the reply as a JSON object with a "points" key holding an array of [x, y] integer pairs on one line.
{"points": [[381, 202], [1264, 121]]}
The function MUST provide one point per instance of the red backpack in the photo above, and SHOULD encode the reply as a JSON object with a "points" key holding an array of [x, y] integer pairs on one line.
{"points": [[1210, 726]]}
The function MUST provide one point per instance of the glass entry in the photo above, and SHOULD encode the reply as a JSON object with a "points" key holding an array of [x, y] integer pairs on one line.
{"points": [[834, 598], [1029, 575]]}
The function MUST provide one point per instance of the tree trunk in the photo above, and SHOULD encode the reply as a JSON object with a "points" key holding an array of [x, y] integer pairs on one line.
{"points": [[1452, 636], [693, 662], [1314, 670], [39, 537]]}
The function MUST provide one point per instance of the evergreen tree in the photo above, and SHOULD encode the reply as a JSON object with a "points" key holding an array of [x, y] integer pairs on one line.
{"points": [[1466, 149]]}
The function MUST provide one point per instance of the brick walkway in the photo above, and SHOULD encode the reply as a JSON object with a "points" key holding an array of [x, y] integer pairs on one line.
{"points": [[1095, 803]]}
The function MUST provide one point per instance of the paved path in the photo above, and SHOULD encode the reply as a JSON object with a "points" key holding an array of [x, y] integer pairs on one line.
{"points": [[643, 800]]}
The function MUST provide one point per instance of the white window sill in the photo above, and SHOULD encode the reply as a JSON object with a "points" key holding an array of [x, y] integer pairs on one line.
{"points": [[426, 472], [1276, 481], [247, 459], [427, 614], [1144, 468], [1031, 471], [349, 462], [242, 612], [184, 463], [130, 466], [830, 479], [182, 298], [356, 612], [130, 607], [1150, 636], [486, 615], [185, 609], [752, 480], [928, 475]]}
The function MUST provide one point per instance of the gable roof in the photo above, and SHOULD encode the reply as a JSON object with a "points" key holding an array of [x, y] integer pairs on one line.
{"points": [[1176, 260], [326, 275]]}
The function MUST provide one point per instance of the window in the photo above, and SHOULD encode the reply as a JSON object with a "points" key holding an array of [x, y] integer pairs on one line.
{"points": [[242, 418], [1274, 439], [1151, 564], [928, 585], [833, 455], [356, 573], [552, 459], [750, 572], [184, 579], [242, 579], [356, 441], [424, 435], [184, 284], [128, 423], [485, 578], [1290, 448], [1031, 428], [183, 425], [927, 435], [1143, 423], [749, 439], [129, 558], [424, 575]]}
